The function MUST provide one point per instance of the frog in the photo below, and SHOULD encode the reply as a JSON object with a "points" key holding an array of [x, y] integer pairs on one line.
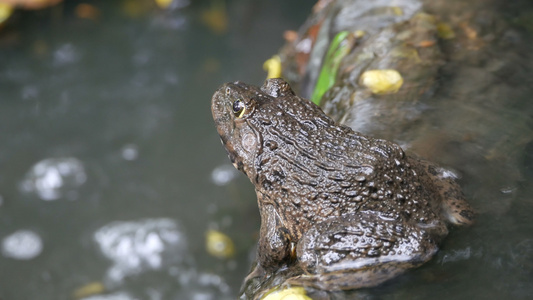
{"points": [[348, 210]]}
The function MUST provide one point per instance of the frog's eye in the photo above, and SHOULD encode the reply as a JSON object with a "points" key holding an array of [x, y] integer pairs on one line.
{"points": [[239, 108]]}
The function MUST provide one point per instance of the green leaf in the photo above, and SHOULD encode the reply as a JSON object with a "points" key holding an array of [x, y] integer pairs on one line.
{"points": [[340, 46]]}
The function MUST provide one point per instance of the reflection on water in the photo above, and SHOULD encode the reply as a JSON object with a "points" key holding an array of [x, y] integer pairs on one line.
{"points": [[113, 112], [137, 246], [223, 174], [22, 244], [130, 152], [55, 178]]}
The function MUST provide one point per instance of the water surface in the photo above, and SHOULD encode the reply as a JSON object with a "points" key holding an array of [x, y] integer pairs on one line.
{"points": [[111, 171]]}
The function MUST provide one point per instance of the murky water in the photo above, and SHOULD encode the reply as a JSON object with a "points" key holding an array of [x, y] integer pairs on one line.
{"points": [[111, 171], [108, 150]]}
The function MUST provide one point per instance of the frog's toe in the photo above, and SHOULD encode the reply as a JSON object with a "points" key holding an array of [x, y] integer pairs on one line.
{"points": [[458, 212], [455, 207], [354, 279]]}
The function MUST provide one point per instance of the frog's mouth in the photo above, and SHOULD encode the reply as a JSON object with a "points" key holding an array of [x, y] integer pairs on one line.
{"points": [[225, 123], [244, 152], [235, 159]]}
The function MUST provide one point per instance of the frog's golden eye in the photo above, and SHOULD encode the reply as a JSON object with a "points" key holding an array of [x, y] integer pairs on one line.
{"points": [[239, 108]]}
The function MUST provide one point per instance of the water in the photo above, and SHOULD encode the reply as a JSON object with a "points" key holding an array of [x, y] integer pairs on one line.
{"points": [[111, 171]]}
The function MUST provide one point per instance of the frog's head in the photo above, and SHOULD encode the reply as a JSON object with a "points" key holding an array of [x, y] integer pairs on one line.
{"points": [[242, 113]]}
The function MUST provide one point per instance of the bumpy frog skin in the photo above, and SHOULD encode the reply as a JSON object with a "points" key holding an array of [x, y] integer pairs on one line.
{"points": [[350, 210]]}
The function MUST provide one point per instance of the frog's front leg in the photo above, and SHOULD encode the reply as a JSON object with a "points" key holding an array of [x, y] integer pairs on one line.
{"points": [[360, 250], [275, 246]]}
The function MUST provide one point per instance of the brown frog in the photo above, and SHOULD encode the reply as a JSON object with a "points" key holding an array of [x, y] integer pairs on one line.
{"points": [[351, 211]]}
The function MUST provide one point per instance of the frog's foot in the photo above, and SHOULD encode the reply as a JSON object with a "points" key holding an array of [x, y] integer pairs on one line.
{"points": [[257, 271], [360, 250], [456, 209], [352, 279]]}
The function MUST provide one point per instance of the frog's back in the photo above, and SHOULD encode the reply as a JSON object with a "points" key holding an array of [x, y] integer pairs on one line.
{"points": [[319, 169]]}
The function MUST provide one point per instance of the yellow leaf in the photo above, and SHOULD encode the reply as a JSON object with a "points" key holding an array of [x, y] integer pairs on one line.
{"points": [[216, 17], [397, 11], [359, 34], [89, 289], [219, 245], [87, 11], [5, 11], [445, 31], [292, 293], [273, 67], [136, 8], [382, 81], [163, 3]]}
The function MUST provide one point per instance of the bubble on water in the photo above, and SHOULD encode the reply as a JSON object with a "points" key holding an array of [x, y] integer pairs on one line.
{"points": [[142, 57], [226, 221], [202, 295], [54, 178], [231, 265], [203, 286], [130, 152], [66, 54], [29, 92], [154, 294], [171, 78], [142, 245], [209, 279], [458, 255], [174, 22], [508, 190], [22, 244], [211, 208], [521, 257], [447, 173], [223, 174], [177, 4]]}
